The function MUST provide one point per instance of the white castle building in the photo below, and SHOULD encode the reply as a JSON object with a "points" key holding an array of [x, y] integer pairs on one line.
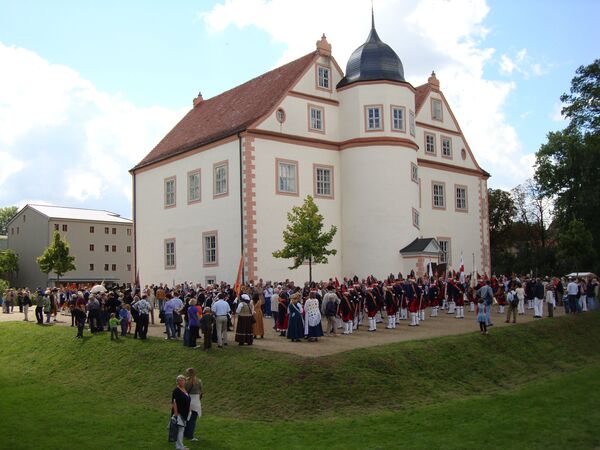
{"points": [[387, 163]]}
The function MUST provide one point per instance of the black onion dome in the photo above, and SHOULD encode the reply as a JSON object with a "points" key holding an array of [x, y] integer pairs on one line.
{"points": [[374, 60]]}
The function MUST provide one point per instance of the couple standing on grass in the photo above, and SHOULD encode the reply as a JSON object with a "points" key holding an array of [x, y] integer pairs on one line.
{"points": [[185, 408]]}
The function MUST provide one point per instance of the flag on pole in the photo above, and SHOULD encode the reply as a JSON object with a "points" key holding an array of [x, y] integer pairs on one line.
{"points": [[430, 270], [462, 269], [238, 281]]}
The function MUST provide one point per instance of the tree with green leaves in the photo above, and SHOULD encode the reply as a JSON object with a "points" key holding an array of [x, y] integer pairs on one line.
{"points": [[6, 214], [575, 247], [567, 165], [9, 263], [304, 238], [56, 258]]}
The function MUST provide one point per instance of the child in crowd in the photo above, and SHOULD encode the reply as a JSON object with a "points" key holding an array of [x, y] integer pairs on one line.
{"points": [[113, 323], [481, 316], [124, 319], [207, 321]]}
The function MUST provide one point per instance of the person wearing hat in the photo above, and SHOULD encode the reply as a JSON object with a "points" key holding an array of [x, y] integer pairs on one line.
{"points": [[371, 308], [243, 331]]}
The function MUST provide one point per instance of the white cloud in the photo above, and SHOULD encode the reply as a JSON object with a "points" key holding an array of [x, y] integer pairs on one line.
{"points": [[428, 34], [62, 137], [507, 65], [556, 114]]}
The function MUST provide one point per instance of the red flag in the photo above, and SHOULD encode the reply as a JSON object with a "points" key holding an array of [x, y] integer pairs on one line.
{"points": [[238, 281], [337, 283]]}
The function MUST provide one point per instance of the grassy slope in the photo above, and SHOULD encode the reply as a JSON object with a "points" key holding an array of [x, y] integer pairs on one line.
{"points": [[431, 393]]}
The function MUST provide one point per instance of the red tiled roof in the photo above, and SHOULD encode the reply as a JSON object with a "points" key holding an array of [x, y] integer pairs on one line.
{"points": [[230, 112], [421, 93]]}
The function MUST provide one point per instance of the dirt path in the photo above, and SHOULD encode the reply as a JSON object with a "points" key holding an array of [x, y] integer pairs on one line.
{"points": [[443, 325]]}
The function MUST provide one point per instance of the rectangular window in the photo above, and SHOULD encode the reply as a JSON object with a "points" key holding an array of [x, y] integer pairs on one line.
{"points": [[106, 267], [114, 267], [106, 248], [129, 249], [91, 267], [414, 172], [128, 231], [64, 227], [444, 250], [106, 230], [316, 120], [170, 254], [170, 187], [416, 218], [210, 280], [430, 143], [114, 248], [221, 178], [411, 122], [373, 118], [287, 177], [209, 245], [128, 267], [114, 231], [439, 200], [461, 198], [446, 147], [56, 227], [323, 181], [398, 113], [194, 186], [24, 218], [323, 77], [436, 109], [92, 230], [91, 247]]}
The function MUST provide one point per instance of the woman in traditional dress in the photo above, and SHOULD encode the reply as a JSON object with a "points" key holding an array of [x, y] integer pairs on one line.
{"points": [[282, 313], [295, 326], [501, 298], [258, 328], [312, 318], [243, 331]]}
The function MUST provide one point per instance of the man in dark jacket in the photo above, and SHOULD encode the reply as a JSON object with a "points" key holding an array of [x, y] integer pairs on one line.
{"points": [[207, 322]]}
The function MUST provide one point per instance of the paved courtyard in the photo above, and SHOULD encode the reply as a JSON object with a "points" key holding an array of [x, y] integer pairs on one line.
{"points": [[443, 325]]}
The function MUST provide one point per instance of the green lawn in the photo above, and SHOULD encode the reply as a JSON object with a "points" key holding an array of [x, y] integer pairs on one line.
{"points": [[527, 386]]}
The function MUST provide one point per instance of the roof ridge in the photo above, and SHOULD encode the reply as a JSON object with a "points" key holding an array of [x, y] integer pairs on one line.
{"points": [[229, 112], [72, 207]]}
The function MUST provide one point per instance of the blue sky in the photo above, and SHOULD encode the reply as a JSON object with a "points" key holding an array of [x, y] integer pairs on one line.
{"points": [[88, 88]]}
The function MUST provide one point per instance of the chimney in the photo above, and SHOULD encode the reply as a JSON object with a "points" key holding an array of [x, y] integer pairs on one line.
{"points": [[198, 99], [433, 81], [324, 47]]}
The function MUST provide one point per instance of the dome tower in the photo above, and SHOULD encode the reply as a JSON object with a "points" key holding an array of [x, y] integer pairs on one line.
{"points": [[378, 160]]}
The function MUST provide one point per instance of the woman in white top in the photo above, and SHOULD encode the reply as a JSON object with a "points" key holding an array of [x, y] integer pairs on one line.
{"points": [[521, 296], [312, 318]]}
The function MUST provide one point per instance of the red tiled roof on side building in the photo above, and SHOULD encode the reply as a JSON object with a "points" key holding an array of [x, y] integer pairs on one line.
{"points": [[230, 112]]}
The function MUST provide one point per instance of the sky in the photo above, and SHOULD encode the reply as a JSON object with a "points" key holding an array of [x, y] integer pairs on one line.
{"points": [[88, 88]]}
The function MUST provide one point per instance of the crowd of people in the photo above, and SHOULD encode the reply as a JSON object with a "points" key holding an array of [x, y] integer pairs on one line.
{"points": [[298, 313], [191, 311]]}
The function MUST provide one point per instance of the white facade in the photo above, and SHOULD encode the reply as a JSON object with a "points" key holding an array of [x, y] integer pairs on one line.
{"points": [[100, 241], [378, 182]]}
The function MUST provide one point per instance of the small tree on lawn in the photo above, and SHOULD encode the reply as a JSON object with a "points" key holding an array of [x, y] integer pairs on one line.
{"points": [[56, 258], [304, 239]]}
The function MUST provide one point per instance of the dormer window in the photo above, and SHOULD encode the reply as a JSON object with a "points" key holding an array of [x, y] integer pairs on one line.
{"points": [[323, 77], [436, 109]]}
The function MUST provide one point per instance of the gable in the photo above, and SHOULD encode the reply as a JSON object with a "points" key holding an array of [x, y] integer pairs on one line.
{"points": [[230, 112]]}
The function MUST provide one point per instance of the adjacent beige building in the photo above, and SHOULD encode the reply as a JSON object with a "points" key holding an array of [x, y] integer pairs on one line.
{"points": [[100, 241]]}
